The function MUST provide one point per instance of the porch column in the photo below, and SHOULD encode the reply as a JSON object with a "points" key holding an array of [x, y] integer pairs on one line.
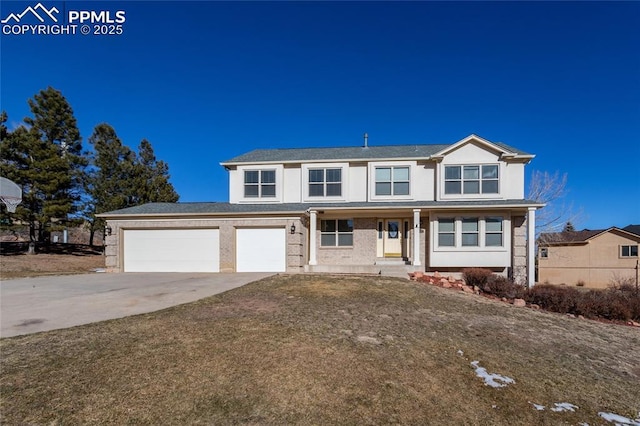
{"points": [[312, 237], [416, 237], [531, 247]]}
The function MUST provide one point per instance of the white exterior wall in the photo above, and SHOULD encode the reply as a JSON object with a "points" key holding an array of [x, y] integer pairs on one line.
{"points": [[513, 183], [291, 185], [358, 182], [424, 182]]}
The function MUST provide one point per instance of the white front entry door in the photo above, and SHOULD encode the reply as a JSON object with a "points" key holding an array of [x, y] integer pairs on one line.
{"points": [[392, 238]]}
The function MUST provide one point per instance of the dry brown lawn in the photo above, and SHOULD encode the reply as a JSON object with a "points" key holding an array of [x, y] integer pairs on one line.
{"points": [[80, 260], [305, 349]]}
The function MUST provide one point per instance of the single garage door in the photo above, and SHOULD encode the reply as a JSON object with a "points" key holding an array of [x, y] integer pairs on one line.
{"points": [[261, 250], [171, 250]]}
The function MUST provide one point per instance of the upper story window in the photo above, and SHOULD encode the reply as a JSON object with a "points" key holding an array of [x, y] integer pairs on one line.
{"points": [[325, 182], [392, 181], [628, 251], [259, 183], [476, 179]]}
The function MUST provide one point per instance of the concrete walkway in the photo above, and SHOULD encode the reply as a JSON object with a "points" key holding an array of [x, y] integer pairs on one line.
{"points": [[30, 305]]}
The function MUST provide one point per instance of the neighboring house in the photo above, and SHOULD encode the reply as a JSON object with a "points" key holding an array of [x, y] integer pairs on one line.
{"points": [[349, 209], [593, 258]]}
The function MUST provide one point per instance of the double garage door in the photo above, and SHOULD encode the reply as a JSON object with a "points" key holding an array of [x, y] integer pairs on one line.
{"points": [[198, 250]]}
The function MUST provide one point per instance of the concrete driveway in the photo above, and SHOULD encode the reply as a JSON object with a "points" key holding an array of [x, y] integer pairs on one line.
{"points": [[30, 305]]}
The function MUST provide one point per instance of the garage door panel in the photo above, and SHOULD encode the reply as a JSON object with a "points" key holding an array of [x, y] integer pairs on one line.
{"points": [[261, 250], [171, 250]]}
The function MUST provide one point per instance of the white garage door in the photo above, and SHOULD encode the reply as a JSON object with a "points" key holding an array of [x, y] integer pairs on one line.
{"points": [[171, 250], [261, 250]]}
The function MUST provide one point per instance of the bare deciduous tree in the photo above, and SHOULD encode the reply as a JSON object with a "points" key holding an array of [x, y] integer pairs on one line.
{"points": [[551, 189]]}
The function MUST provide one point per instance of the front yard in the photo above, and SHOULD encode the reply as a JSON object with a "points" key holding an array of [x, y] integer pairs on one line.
{"points": [[325, 350]]}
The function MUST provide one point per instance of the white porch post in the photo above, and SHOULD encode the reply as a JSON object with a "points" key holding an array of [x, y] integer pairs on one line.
{"points": [[416, 237], [531, 247], [312, 237]]}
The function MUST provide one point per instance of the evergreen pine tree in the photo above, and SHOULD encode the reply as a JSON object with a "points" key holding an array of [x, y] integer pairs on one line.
{"points": [[153, 177], [110, 182]]}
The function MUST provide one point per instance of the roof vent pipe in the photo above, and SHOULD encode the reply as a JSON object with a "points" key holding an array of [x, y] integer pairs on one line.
{"points": [[366, 140]]}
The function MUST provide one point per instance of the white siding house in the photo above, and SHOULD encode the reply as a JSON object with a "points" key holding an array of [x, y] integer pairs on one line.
{"points": [[439, 207]]}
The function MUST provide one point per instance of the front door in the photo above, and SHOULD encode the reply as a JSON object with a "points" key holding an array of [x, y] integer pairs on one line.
{"points": [[392, 238]]}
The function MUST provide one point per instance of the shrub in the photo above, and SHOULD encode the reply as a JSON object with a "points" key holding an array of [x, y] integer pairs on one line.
{"points": [[606, 304], [502, 287], [554, 298], [476, 276]]}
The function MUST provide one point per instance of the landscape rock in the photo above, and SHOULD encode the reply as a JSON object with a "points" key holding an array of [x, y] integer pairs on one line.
{"points": [[519, 303], [446, 284], [444, 281], [467, 289], [534, 306], [436, 274]]}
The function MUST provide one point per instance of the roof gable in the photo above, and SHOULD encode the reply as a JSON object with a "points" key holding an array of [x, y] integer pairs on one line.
{"points": [[505, 151]]}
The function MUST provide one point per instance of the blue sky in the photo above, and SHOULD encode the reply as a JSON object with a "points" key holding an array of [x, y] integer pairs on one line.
{"points": [[206, 81]]}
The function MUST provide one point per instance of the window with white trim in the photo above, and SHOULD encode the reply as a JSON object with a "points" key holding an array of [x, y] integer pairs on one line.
{"points": [[629, 251], [447, 232], [544, 252], [487, 231], [325, 182], [470, 232], [259, 183], [493, 231], [336, 233], [472, 179], [392, 181]]}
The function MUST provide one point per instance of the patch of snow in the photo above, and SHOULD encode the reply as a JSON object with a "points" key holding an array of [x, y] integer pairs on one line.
{"points": [[537, 406], [99, 270], [460, 352], [564, 406], [492, 379], [619, 420], [583, 424]]}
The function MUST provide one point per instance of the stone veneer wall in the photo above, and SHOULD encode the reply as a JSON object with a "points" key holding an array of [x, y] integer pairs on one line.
{"points": [[296, 253], [519, 250]]}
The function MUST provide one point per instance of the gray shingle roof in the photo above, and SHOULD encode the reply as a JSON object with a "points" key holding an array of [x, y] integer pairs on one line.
{"points": [[233, 209], [634, 229], [349, 153]]}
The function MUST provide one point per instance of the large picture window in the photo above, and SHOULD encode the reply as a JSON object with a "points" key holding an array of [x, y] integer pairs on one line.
{"points": [[476, 179], [392, 181], [485, 231], [259, 183], [336, 232], [325, 182]]}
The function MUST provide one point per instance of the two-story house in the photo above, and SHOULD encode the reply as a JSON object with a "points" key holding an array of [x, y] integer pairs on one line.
{"points": [[590, 258], [350, 209]]}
